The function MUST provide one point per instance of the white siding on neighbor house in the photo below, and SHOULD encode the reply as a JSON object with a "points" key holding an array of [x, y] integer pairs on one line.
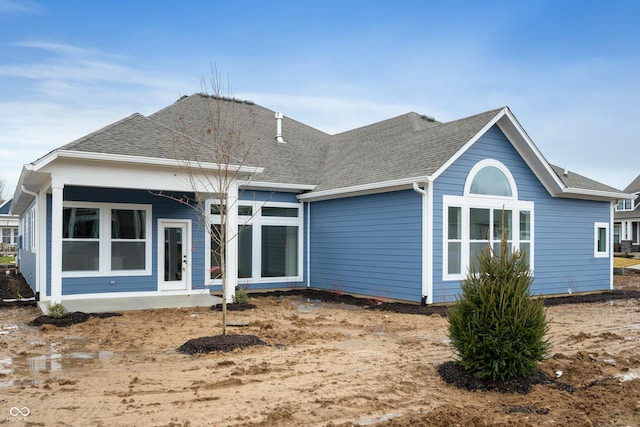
{"points": [[369, 245], [563, 228]]}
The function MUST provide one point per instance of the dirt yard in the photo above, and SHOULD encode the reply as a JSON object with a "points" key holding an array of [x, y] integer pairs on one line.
{"points": [[326, 364]]}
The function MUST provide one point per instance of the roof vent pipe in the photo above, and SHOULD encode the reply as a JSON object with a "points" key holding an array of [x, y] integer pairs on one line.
{"points": [[279, 118], [565, 172]]}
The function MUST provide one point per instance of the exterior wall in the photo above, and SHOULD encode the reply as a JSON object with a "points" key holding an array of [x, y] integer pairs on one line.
{"points": [[277, 197], [161, 208], [368, 245], [563, 229], [26, 254]]}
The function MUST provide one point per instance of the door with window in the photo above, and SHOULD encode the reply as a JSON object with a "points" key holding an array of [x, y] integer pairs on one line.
{"points": [[174, 254]]}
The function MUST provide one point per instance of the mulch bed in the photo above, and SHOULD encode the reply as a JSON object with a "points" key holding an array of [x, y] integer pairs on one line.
{"points": [[69, 319], [13, 287], [234, 307], [453, 373], [224, 343]]}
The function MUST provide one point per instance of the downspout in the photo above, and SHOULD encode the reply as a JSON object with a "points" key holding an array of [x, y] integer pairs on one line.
{"points": [[610, 242], [308, 244], [427, 244]]}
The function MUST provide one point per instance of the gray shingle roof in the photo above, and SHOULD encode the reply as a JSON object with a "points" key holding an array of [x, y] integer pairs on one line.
{"points": [[634, 187], [403, 147], [395, 149], [574, 180], [298, 161], [135, 135]]}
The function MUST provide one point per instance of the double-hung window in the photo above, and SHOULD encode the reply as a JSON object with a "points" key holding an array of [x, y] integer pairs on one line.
{"points": [[488, 211], [268, 237], [105, 239]]}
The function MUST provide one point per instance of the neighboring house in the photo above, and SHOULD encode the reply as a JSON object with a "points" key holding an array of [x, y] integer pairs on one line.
{"points": [[397, 209], [626, 227], [8, 229]]}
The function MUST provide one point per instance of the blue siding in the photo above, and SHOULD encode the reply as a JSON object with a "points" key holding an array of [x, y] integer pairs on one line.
{"points": [[161, 208], [368, 245], [563, 228]]}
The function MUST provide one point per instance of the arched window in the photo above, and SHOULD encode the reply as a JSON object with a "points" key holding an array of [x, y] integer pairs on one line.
{"points": [[488, 210], [490, 178], [491, 181]]}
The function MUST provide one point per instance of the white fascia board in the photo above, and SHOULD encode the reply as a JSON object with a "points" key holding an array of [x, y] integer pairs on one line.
{"points": [[359, 190], [581, 193], [280, 186], [155, 161], [530, 153], [519, 139], [469, 143]]}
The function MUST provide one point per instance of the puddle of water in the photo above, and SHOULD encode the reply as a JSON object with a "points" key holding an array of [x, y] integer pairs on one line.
{"points": [[55, 362], [382, 419], [629, 377], [8, 328], [5, 365], [46, 363]]}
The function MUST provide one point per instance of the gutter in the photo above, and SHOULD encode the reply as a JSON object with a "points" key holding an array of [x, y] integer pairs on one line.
{"points": [[361, 189]]}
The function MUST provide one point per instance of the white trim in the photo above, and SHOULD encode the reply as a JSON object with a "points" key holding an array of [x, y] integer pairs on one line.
{"points": [[56, 242], [358, 190], [102, 295], [280, 186], [466, 203], [257, 221], [141, 160], [469, 143], [104, 241], [187, 254], [498, 165], [596, 228]]}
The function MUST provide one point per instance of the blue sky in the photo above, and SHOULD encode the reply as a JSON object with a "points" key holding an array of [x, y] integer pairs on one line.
{"points": [[569, 70]]}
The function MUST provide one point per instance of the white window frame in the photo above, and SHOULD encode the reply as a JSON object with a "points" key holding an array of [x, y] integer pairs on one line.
{"points": [[483, 201], [597, 226], [257, 221], [627, 205], [104, 241], [27, 228]]}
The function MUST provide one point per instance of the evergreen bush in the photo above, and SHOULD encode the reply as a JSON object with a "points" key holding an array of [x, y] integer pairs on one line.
{"points": [[57, 311], [241, 297], [496, 328]]}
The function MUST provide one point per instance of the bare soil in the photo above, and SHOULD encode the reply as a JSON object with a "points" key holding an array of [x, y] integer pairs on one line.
{"points": [[323, 363]]}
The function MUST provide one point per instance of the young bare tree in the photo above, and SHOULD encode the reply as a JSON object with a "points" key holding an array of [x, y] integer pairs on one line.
{"points": [[213, 151]]}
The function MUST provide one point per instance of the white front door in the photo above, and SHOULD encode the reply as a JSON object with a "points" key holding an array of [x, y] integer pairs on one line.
{"points": [[174, 254]]}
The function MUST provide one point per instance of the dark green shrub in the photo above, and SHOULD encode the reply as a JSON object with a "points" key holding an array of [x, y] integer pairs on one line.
{"points": [[496, 329]]}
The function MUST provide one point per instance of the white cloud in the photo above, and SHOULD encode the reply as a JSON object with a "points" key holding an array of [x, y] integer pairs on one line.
{"points": [[22, 6], [68, 94]]}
